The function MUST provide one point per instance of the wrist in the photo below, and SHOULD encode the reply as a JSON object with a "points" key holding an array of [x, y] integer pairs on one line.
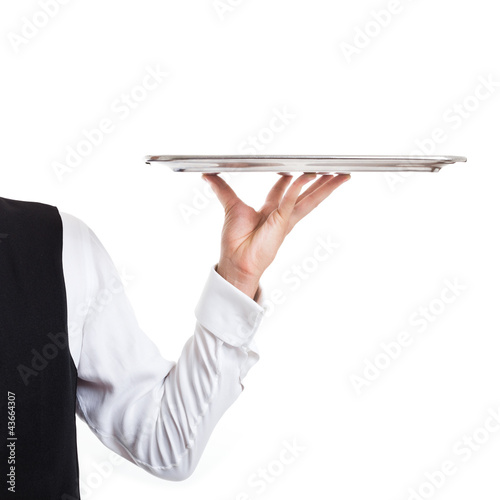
{"points": [[247, 283]]}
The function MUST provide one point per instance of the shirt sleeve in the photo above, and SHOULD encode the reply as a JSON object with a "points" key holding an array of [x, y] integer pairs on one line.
{"points": [[157, 413]]}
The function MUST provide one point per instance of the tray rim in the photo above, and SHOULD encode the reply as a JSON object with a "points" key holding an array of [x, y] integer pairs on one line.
{"points": [[427, 158], [323, 164]]}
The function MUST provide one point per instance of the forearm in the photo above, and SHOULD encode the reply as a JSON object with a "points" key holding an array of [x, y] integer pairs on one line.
{"points": [[205, 382], [156, 413], [163, 427]]}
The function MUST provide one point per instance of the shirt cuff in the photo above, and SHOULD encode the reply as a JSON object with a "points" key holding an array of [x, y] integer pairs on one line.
{"points": [[227, 312]]}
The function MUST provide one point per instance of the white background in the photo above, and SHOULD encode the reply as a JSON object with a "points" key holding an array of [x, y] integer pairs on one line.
{"points": [[399, 239]]}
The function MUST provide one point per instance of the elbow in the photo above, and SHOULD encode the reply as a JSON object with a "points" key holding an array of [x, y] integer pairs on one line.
{"points": [[180, 471], [179, 475]]}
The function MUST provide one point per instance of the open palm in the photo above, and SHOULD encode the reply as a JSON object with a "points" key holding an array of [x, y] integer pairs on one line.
{"points": [[251, 238]]}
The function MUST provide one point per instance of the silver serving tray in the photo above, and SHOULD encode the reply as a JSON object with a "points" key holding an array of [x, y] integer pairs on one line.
{"points": [[305, 163]]}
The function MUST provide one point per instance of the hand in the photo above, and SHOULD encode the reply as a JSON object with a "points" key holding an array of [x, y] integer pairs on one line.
{"points": [[250, 238]]}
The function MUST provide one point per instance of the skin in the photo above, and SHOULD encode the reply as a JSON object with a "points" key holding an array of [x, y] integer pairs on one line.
{"points": [[250, 238]]}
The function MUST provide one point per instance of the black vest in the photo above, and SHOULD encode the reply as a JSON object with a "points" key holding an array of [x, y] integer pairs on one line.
{"points": [[38, 459]]}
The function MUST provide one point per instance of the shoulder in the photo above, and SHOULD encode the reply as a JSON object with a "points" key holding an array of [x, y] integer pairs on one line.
{"points": [[73, 225]]}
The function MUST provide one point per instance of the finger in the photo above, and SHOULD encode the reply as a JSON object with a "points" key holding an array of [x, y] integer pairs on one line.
{"points": [[285, 208], [310, 202], [276, 193], [315, 185], [222, 190]]}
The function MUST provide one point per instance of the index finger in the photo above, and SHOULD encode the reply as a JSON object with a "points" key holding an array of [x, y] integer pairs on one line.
{"points": [[222, 190]]}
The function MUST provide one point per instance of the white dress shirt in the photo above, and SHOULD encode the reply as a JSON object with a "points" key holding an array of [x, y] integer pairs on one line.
{"points": [[154, 412]]}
